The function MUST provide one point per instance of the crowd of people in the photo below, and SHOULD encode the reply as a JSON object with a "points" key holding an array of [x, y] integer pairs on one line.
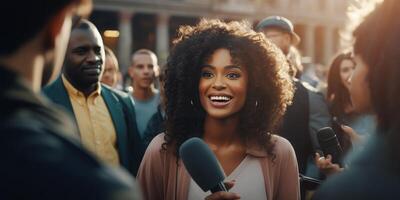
{"points": [[70, 130]]}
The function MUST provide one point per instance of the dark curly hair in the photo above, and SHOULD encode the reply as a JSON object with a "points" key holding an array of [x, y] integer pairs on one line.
{"points": [[269, 90], [338, 95]]}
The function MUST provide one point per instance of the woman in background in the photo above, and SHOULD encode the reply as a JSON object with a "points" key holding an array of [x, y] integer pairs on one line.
{"points": [[349, 125], [375, 88]]}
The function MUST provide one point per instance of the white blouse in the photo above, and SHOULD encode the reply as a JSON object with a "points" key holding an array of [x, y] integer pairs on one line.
{"points": [[249, 182]]}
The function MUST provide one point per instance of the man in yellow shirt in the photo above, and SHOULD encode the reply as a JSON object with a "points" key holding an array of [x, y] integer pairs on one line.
{"points": [[105, 117]]}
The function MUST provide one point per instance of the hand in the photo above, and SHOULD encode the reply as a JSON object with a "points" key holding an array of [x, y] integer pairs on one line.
{"points": [[224, 195], [325, 165], [354, 136]]}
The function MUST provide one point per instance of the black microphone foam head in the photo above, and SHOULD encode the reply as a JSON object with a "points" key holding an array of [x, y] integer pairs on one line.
{"points": [[329, 143], [201, 163], [325, 134]]}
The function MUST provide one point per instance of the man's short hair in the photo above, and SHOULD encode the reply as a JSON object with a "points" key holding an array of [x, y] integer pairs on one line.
{"points": [[33, 16], [144, 52]]}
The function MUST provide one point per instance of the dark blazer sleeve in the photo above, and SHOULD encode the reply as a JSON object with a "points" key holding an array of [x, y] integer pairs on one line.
{"points": [[135, 143]]}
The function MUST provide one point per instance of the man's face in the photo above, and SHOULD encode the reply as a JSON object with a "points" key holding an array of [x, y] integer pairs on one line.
{"points": [[279, 38], [84, 59], [142, 70], [53, 65]]}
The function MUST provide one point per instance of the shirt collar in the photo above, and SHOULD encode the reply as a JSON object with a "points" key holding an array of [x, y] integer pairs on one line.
{"points": [[75, 92]]}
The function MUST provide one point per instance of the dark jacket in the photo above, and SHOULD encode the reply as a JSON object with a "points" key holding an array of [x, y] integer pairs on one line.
{"points": [[120, 106], [41, 159], [155, 126], [295, 127]]}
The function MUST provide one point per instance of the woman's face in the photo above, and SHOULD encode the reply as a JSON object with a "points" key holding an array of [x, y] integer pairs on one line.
{"points": [[346, 70], [223, 85], [359, 88]]}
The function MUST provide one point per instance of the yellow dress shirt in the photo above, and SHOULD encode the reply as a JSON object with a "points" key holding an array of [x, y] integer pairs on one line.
{"points": [[95, 124]]}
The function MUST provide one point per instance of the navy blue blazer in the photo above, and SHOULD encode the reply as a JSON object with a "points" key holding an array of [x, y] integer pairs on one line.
{"points": [[130, 146]]}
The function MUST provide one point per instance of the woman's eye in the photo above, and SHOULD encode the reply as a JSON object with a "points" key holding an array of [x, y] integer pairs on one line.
{"points": [[206, 74], [233, 75]]}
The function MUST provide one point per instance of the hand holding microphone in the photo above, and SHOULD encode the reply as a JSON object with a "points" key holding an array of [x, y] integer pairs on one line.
{"points": [[331, 149], [325, 165], [205, 169]]}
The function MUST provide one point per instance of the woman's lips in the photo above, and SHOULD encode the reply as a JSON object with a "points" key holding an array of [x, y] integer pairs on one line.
{"points": [[219, 101]]}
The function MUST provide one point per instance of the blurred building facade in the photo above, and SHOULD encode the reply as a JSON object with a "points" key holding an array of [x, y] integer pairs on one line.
{"points": [[128, 25]]}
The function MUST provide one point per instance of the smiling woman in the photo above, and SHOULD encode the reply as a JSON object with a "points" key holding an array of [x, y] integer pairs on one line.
{"points": [[229, 86]]}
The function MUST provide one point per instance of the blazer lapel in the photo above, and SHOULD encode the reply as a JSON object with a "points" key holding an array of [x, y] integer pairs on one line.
{"points": [[117, 115], [58, 94]]}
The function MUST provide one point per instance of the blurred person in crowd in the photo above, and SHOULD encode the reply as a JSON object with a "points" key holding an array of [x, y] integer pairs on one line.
{"points": [[243, 88], [280, 31], [340, 106], [374, 88], [309, 111], [309, 75], [105, 117], [111, 74], [146, 97], [294, 58], [41, 159], [156, 124]]}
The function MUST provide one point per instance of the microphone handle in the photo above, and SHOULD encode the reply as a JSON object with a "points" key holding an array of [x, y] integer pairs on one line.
{"points": [[219, 187]]}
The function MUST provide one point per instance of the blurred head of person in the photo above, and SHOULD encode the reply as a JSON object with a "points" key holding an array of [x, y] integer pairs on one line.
{"points": [[375, 85], [294, 58], [43, 29], [84, 61], [280, 31], [143, 69], [224, 70], [110, 75], [338, 94]]}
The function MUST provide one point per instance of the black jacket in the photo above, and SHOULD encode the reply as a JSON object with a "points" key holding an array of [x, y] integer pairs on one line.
{"points": [[40, 159]]}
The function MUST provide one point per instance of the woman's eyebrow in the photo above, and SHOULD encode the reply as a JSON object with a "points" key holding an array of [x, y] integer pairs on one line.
{"points": [[226, 67]]}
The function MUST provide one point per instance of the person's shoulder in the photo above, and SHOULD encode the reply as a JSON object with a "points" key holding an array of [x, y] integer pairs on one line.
{"points": [[119, 93], [52, 87], [157, 143], [34, 157], [282, 147], [349, 184], [26, 131], [281, 143], [311, 89]]}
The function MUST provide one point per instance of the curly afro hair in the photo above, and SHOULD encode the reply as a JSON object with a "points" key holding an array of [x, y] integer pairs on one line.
{"points": [[269, 91]]}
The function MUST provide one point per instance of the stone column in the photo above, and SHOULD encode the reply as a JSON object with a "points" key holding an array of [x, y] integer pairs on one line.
{"points": [[162, 38], [125, 41], [309, 41], [328, 44]]}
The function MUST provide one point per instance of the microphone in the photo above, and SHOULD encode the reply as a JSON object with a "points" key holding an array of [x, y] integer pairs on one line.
{"points": [[202, 165], [329, 144]]}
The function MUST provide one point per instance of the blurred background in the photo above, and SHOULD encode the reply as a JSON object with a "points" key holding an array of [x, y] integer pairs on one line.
{"points": [[129, 25]]}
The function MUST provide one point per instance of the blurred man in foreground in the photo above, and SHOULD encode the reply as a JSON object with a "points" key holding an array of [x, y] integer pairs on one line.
{"points": [[40, 159]]}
